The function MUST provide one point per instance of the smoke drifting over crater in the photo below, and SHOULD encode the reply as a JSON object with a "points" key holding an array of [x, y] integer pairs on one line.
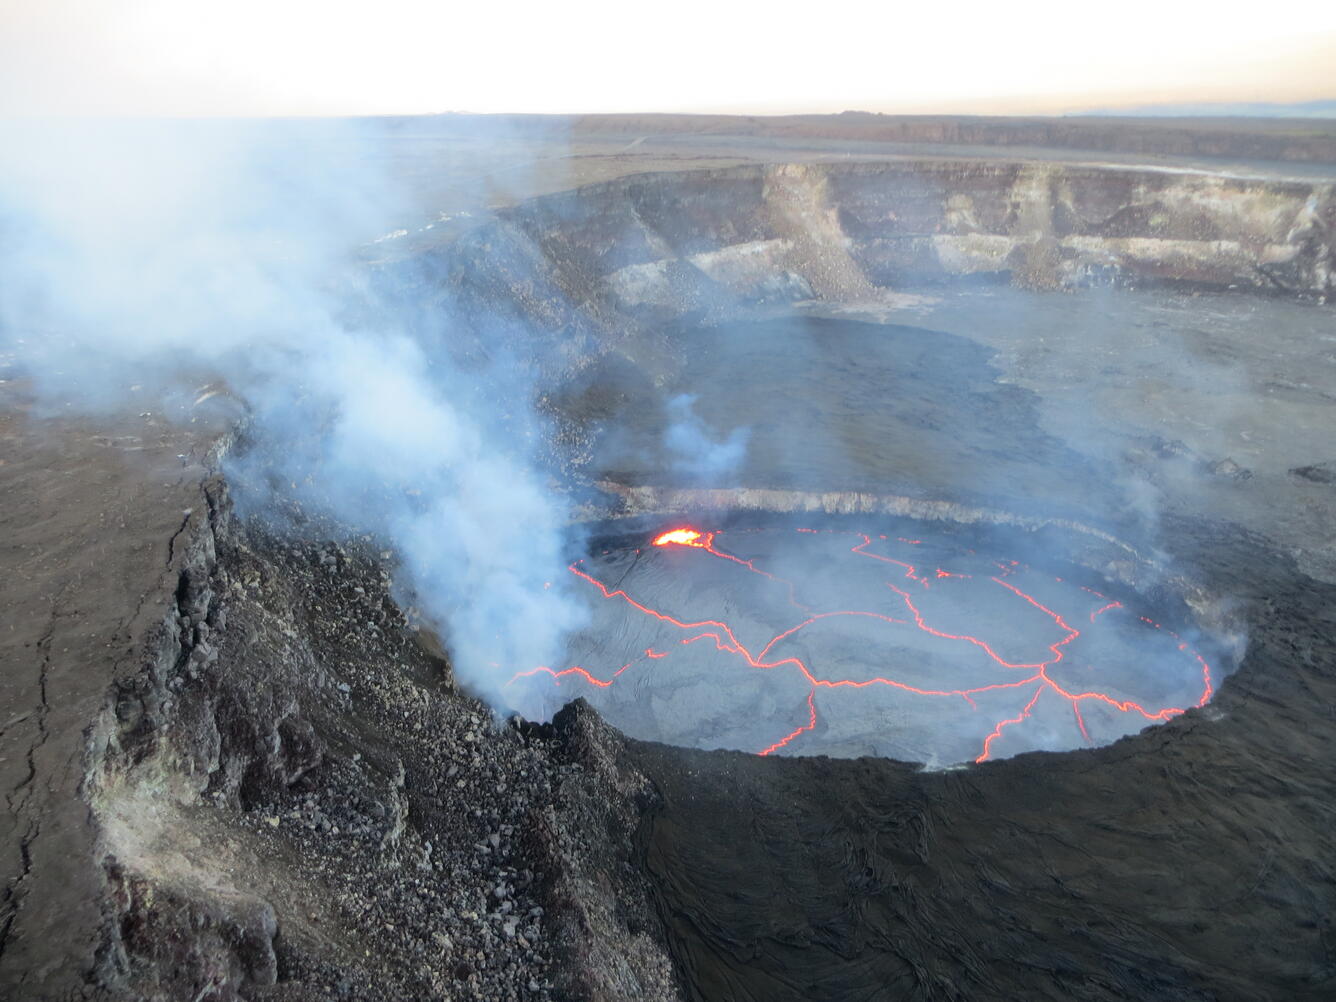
{"points": [[141, 260], [695, 450]]}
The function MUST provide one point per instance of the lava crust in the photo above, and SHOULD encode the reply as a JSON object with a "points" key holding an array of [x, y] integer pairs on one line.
{"points": [[850, 625]]}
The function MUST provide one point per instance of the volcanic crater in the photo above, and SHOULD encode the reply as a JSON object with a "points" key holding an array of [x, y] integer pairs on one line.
{"points": [[1015, 503], [1051, 378]]}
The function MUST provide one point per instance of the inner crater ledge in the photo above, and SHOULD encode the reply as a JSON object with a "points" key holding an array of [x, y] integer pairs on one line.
{"points": [[852, 641]]}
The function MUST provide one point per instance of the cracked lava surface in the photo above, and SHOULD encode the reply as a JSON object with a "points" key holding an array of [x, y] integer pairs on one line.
{"points": [[843, 643]]}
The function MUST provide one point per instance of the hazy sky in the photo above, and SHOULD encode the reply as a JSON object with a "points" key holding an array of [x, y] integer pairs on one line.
{"points": [[189, 57]]}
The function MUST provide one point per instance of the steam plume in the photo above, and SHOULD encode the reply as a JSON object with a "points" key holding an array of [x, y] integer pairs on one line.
{"points": [[694, 450], [138, 258]]}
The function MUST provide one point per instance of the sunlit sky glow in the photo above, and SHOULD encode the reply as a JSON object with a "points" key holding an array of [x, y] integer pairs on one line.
{"points": [[335, 57]]}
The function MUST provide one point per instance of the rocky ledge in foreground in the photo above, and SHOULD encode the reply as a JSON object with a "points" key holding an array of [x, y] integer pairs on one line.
{"points": [[286, 797]]}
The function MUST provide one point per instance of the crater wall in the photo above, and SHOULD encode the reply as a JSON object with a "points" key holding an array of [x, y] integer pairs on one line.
{"points": [[651, 246]]}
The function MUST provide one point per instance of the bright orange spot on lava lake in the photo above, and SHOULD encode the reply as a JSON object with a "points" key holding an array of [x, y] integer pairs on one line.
{"points": [[682, 537]]}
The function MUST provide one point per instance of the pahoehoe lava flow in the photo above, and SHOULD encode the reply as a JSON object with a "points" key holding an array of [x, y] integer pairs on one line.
{"points": [[1009, 649]]}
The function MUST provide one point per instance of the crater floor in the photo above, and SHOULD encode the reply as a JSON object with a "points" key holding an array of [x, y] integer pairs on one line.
{"points": [[838, 642]]}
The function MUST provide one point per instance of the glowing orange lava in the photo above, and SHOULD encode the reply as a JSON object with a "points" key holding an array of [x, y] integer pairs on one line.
{"points": [[681, 537], [1033, 681]]}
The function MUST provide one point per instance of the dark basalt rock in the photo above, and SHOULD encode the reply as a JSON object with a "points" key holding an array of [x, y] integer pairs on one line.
{"points": [[595, 892], [1317, 473]]}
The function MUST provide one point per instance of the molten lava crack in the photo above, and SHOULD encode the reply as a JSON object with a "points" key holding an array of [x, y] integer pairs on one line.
{"points": [[1035, 681]]}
